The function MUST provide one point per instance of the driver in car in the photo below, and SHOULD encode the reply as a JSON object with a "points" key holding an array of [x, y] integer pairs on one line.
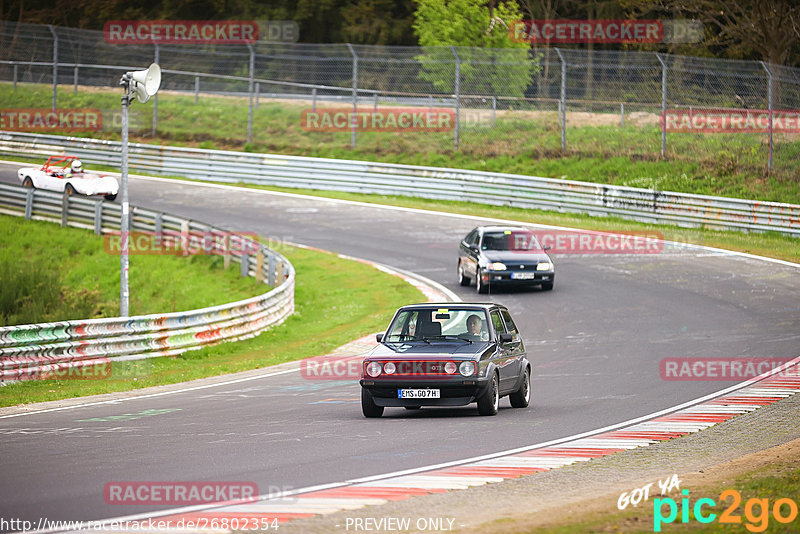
{"points": [[474, 329], [76, 169]]}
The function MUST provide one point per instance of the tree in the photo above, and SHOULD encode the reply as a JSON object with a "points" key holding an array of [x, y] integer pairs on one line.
{"points": [[768, 29], [491, 62]]}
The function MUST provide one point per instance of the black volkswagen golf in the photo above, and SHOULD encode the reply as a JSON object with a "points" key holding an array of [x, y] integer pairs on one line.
{"points": [[449, 354], [504, 255]]}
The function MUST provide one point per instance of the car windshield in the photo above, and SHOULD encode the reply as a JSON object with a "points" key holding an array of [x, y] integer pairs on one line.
{"points": [[516, 240], [439, 324]]}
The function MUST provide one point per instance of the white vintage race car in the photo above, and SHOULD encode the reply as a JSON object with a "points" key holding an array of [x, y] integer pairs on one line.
{"points": [[65, 174]]}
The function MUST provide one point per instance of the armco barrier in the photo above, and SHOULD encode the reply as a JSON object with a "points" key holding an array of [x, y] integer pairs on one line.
{"points": [[35, 350], [430, 182]]}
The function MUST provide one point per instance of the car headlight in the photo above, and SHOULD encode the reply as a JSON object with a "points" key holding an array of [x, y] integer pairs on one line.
{"points": [[389, 368], [544, 266], [497, 266], [373, 369], [450, 368], [467, 368]]}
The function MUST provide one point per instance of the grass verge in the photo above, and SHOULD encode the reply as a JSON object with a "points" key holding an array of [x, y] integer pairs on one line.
{"points": [[49, 273], [524, 141], [336, 301]]}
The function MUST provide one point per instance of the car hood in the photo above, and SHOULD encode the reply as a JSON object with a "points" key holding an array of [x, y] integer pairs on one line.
{"points": [[436, 349], [511, 256]]}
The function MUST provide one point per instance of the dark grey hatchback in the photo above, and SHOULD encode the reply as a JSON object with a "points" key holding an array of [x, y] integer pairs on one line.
{"points": [[449, 354], [504, 255]]}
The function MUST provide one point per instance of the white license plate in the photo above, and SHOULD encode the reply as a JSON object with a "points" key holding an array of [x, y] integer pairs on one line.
{"points": [[417, 393], [523, 276]]}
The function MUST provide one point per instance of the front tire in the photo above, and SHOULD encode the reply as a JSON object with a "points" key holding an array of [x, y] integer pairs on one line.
{"points": [[463, 279], [368, 406], [479, 284], [489, 403], [522, 397], [112, 198]]}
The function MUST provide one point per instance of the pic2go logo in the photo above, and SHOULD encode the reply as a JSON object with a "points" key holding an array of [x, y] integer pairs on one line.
{"points": [[756, 511]]}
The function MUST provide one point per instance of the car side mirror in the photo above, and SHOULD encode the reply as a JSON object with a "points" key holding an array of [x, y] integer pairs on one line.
{"points": [[379, 337], [546, 248], [506, 338]]}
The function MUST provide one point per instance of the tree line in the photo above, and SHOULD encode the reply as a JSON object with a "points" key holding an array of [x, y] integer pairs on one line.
{"points": [[767, 30]]}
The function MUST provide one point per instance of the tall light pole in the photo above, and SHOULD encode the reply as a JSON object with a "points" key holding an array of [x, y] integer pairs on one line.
{"points": [[143, 83]]}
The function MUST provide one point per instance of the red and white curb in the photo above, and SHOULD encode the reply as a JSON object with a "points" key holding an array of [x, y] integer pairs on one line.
{"points": [[374, 491]]}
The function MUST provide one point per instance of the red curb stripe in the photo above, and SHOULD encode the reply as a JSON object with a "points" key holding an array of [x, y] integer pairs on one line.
{"points": [[388, 493], [659, 436], [588, 453], [499, 471]]}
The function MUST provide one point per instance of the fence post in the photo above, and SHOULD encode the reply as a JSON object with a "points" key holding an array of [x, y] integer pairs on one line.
{"points": [[770, 93], [156, 58], [621, 114], [75, 79], [15, 76], [245, 265], [250, 92], [271, 270], [55, 63], [663, 105], [458, 96], [259, 265], [314, 100], [258, 92], [375, 104], [196, 88], [355, 94], [494, 110], [64, 208], [563, 102]]}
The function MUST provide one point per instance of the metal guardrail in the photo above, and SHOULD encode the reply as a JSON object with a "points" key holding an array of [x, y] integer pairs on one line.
{"points": [[644, 205], [52, 349]]}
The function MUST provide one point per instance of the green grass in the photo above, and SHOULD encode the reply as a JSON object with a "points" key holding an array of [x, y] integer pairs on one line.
{"points": [[336, 301], [49, 273], [520, 142]]}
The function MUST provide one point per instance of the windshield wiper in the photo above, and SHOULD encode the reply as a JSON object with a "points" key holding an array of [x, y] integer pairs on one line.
{"points": [[454, 338]]}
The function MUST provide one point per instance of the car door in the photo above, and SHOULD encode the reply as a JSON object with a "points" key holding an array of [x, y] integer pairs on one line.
{"points": [[516, 347], [504, 357], [468, 253]]}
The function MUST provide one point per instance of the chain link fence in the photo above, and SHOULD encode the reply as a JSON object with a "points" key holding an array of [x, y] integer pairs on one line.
{"points": [[503, 102]]}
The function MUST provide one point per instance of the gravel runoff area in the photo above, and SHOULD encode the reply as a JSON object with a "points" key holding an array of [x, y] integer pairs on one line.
{"points": [[581, 491]]}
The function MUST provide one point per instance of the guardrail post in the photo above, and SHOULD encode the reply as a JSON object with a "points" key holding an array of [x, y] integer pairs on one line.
{"points": [[245, 265], [563, 102], [29, 203], [158, 224], [663, 105], [279, 274], [155, 97], [250, 83], [226, 251], [75, 79], [770, 95], [55, 63], [458, 96], [98, 217], [64, 208], [196, 88], [259, 265], [355, 95], [271, 272]]}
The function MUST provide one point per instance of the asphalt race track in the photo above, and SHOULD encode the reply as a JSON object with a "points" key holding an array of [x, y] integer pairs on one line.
{"points": [[595, 342]]}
